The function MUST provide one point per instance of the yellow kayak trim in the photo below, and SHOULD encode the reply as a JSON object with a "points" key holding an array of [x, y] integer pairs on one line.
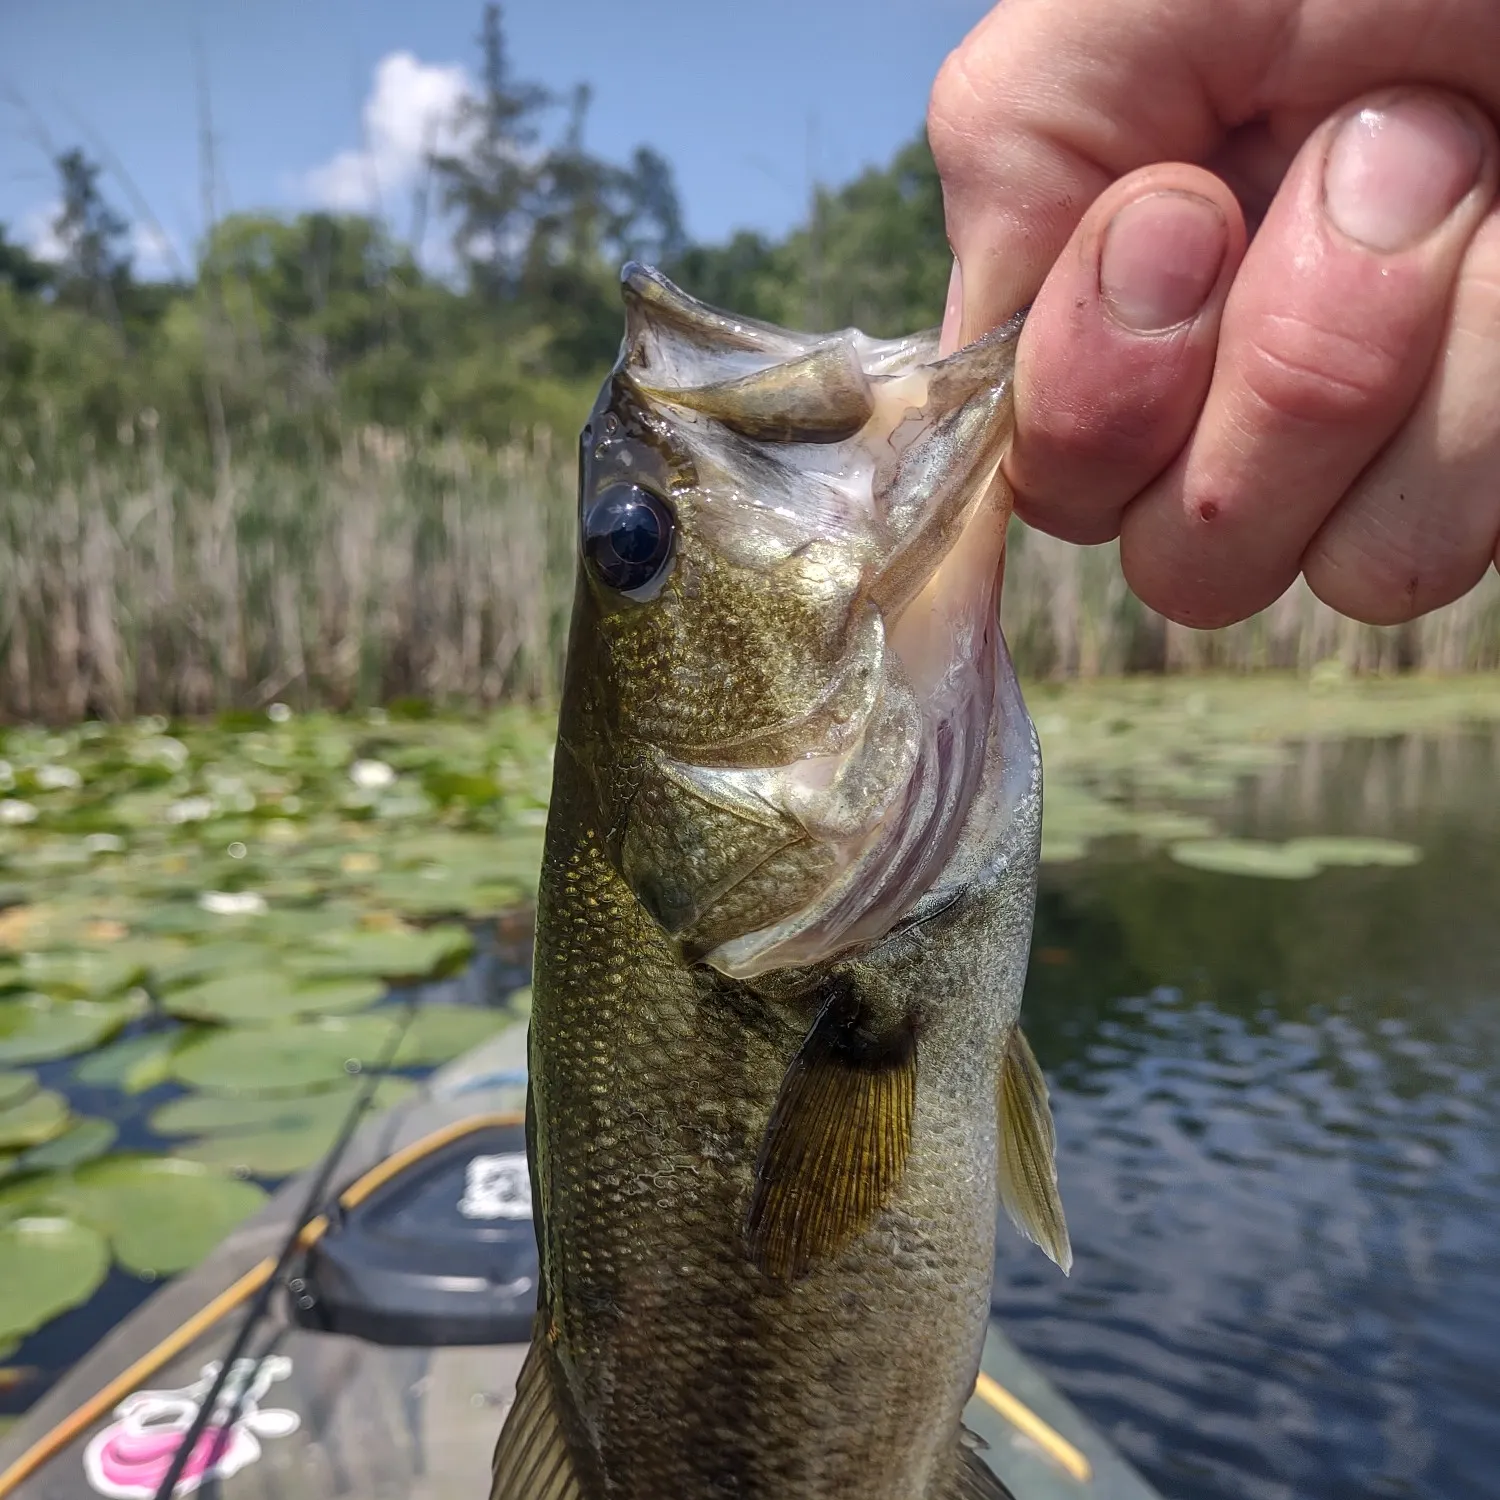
{"points": [[1021, 1416], [77, 1422]]}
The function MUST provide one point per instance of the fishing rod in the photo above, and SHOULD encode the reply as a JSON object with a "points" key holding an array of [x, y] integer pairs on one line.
{"points": [[317, 1194]]}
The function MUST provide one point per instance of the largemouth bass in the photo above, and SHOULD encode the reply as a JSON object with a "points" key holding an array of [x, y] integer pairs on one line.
{"points": [[778, 1090]]}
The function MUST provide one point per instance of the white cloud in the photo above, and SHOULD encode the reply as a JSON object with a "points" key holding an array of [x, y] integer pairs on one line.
{"points": [[408, 113], [38, 235], [154, 252]]}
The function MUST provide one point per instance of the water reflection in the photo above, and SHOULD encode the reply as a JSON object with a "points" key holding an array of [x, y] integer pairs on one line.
{"points": [[1277, 1109]]}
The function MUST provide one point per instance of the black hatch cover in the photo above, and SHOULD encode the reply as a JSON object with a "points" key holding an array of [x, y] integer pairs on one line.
{"points": [[444, 1253]]}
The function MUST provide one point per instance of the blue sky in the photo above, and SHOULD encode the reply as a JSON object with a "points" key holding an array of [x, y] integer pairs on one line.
{"points": [[324, 101]]}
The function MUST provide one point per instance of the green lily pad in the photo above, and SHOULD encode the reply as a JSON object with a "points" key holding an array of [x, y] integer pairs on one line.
{"points": [[200, 961], [267, 997], [47, 1265], [388, 955], [1331, 850], [293, 1058], [161, 1215], [14, 1087], [86, 1140], [34, 1120], [1245, 857], [133, 1065], [266, 1137], [1058, 851], [85, 972], [36, 1029], [439, 1033]]}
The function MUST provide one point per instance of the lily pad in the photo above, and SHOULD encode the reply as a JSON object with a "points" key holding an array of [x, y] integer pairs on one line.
{"points": [[1245, 857], [36, 1029], [389, 955], [294, 1058], [266, 1137], [86, 1140], [14, 1087], [133, 1065], [84, 972], [47, 1265], [1331, 850], [34, 1120], [161, 1215], [439, 1033], [201, 961], [267, 997]]}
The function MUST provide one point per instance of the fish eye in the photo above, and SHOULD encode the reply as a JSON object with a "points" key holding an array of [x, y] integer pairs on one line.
{"points": [[627, 537]]}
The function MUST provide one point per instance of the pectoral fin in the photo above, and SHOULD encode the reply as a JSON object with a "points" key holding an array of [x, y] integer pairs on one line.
{"points": [[837, 1142], [969, 1477], [1028, 1146], [532, 1460]]}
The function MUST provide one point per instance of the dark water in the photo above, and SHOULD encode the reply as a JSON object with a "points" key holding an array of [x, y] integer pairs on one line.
{"points": [[1278, 1108]]}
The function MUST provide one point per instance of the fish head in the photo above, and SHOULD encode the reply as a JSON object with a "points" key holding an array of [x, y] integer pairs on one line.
{"points": [[785, 656]]}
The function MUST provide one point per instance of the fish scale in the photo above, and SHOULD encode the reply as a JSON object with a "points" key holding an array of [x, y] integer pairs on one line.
{"points": [[766, 1191]]}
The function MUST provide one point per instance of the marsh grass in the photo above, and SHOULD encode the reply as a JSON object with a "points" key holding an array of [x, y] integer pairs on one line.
{"points": [[388, 568], [139, 580]]}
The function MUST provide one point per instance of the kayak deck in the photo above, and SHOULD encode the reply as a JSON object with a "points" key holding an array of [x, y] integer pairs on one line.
{"points": [[332, 1415]]}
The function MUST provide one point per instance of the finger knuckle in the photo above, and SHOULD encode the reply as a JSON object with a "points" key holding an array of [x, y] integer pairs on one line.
{"points": [[953, 111], [1393, 555], [1307, 373]]}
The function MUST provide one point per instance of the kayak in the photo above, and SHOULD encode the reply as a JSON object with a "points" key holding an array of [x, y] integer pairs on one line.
{"points": [[378, 1341]]}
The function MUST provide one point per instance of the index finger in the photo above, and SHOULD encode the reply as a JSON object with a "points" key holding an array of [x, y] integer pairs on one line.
{"points": [[1045, 103]]}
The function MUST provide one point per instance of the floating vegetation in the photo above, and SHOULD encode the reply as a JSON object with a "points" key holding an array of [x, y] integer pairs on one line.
{"points": [[1297, 859], [266, 1137], [36, 1028], [1328, 850], [1246, 857], [211, 916], [47, 1265]]}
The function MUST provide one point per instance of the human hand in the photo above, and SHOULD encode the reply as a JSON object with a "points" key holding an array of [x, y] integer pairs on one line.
{"points": [[1326, 399]]}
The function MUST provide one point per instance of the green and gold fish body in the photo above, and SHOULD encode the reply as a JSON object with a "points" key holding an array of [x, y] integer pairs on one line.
{"points": [[777, 1086]]}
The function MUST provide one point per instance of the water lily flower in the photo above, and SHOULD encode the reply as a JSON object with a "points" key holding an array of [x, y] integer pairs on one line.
{"points": [[372, 775], [234, 903]]}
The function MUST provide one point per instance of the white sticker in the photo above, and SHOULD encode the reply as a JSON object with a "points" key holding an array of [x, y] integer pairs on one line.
{"points": [[497, 1187]]}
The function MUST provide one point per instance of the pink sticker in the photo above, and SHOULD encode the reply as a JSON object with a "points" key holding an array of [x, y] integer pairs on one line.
{"points": [[129, 1459]]}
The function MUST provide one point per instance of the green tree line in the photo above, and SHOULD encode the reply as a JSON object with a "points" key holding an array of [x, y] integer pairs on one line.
{"points": [[294, 327]]}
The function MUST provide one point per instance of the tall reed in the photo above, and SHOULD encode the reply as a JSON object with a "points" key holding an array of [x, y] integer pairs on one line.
{"points": [[394, 567], [1068, 612], [136, 581]]}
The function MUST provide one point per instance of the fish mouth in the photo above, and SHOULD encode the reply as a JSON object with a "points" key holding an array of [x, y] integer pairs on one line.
{"points": [[887, 812], [847, 813]]}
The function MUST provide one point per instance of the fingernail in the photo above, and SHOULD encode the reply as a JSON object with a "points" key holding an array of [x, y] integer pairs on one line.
{"points": [[1160, 259], [1394, 173], [953, 312]]}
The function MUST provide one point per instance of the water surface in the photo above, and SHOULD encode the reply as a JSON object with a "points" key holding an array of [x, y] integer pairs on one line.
{"points": [[1278, 1109]]}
